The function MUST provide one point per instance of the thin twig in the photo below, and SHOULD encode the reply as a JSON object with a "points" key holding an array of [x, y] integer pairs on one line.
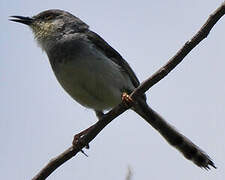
{"points": [[129, 173], [147, 84], [180, 55], [72, 151]]}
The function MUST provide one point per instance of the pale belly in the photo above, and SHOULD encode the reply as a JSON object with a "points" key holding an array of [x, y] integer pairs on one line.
{"points": [[93, 82]]}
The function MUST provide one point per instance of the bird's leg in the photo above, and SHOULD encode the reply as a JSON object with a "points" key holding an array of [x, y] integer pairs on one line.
{"points": [[126, 99], [77, 137], [99, 114]]}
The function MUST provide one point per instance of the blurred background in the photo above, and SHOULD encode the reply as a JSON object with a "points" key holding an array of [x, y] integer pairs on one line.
{"points": [[38, 119]]}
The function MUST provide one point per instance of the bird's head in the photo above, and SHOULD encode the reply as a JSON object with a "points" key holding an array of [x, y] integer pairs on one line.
{"points": [[52, 24]]}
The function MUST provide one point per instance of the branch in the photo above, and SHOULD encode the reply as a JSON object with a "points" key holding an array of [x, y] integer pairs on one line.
{"points": [[144, 86], [129, 173], [180, 55]]}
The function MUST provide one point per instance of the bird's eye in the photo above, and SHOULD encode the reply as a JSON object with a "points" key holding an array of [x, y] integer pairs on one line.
{"points": [[48, 17]]}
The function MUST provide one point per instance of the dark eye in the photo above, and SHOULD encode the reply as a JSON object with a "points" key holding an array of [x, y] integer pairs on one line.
{"points": [[48, 17]]}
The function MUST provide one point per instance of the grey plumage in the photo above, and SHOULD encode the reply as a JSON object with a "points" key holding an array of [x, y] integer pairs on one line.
{"points": [[96, 75]]}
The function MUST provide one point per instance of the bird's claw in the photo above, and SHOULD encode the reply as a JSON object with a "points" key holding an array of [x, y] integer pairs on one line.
{"points": [[78, 143], [126, 99]]}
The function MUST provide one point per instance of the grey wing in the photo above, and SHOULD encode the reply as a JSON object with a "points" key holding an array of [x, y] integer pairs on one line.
{"points": [[111, 53]]}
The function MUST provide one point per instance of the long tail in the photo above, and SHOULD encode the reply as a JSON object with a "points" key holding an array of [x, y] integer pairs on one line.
{"points": [[173, 137]]}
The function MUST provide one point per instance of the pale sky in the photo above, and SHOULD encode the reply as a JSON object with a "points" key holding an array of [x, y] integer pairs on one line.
{"points": [[38, 118]]}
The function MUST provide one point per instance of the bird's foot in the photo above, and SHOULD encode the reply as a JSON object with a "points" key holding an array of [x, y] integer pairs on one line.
{"points": [[126, 99], [77, 140]]}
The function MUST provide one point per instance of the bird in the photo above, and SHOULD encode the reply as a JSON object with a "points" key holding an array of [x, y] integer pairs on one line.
{"points": [[96, 76]]}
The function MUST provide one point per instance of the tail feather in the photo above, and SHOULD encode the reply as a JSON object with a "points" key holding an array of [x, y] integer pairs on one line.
{"points": [[173, 137]]}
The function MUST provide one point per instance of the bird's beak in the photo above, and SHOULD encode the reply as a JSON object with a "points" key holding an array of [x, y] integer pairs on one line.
{"points": [[22, 19]]}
